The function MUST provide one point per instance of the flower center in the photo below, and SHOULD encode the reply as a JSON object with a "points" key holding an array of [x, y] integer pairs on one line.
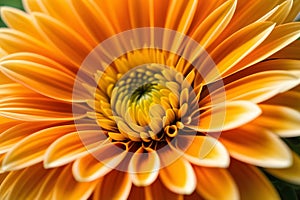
{"points": [[151, 103]]}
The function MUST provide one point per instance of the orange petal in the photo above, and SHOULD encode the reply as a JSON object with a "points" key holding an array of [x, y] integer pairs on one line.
{"points": [[257, 146], [236, 47], [115, 185], [294, 11], [252, 184], [35, 109], [203, 151], [228, 116], [33, 6], [257, 87], [289, 99], [281, 120], [40, 78], [215, 183], [289, 52], [159, 191], [70, 147], [290, 174], [179, 177], [31, 149], [280, 37], [282, 12], [64, 38], [15, 132], [67, 187], [214, 24], [144, 167], [99, 162], [28, 183]]}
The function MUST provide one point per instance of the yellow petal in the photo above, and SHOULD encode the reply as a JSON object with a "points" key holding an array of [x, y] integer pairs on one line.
{"points": [[235, 48], [214, 24], [228, 116], [71, 147], [281, 120], [257, 87], [280, 37], [246, 177], [67, 187], [290, 174], [115, 185], [179, 177], [32, 6], [203, 151], [257, 146], [159, 191], [99, 162], [208, 183], [283, 11], [144, 167], [32, 148], [40, 78], [294, 11]]}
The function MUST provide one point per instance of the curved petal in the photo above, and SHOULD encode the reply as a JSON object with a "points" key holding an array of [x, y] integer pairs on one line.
{"points": [[144, 167], [99, 162], [289, 52], [280, 37], [257, 146], [115, 185], [72, 146], [256, 87], [294, 11], [288, 99], [203, 151], [16, 132], [159, 191], [281, 120], [228, 116], [247, 176], [27, 183], [40, 78], [290, 174], [209, 183], [32, 148], [235, 48], [26, 108], [179, 177], [214, 24], [67, 187]]}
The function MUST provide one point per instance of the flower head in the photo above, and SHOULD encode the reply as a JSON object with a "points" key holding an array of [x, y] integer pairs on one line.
{"points": [[148, 99]]}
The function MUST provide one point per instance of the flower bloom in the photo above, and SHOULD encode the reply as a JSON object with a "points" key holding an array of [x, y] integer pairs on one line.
{"points": [[189, 113]]}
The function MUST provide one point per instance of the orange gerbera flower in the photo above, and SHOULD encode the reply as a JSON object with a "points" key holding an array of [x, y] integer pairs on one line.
{"points": [[172, 99]]}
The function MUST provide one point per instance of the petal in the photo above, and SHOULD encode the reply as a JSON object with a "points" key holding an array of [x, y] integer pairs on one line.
{"points": [[71, 147], [35, 109], [40, 78], [283, 11], [144, 167], [27, 183], [281, 120], [203, 151], [115, 185], [289, 52], [280, 37], [64, 38], [289, 99], [235, 48], [73, 189], [179, 177], [252, 184], [214, 24], [290, 174], [20, 21], [294, 11], [159, 191], [16, 132], [99, 162], [228, 116], [215, 183], [257, 146], [31, 149], [256, 87]]}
